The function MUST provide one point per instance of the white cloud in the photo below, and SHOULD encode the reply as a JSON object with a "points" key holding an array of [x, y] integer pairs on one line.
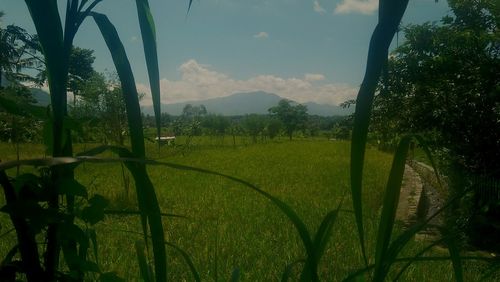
{"points": [[314, 77], [317, 7], [199, 82], [366, 7], [262, 35]]}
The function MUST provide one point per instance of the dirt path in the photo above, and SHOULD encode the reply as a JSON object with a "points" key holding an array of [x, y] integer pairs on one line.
{"points": [[419, 199]]}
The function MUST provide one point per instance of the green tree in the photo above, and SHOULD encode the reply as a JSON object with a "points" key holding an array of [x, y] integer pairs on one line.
{"points": [[79, 70], [273, 127], [444, 82], [254, 125], [292, 115], [19, 51]]}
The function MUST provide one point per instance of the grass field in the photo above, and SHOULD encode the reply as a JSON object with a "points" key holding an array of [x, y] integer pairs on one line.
{"points": [[227, 226]]}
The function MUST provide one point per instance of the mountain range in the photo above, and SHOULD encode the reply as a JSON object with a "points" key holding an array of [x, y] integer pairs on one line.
{"points": [[247, 103], [236, 104]]}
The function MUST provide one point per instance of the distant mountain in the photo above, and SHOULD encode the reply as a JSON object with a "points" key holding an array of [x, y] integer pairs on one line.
{"points": [[247, 103]]}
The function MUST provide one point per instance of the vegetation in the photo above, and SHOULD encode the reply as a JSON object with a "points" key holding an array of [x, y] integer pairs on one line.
{"points": [[443, 83], [226, 227], [60, 199], [292, 117]]}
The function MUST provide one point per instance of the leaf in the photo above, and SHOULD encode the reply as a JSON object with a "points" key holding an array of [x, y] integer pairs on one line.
{"points": [[127, 80], [455, 258], [146, 196], [26, 179], [147, 25], [94, 212], [72, 232], [324, 231], [390, 14], [71, 187], [141, 259], [390, 204]]}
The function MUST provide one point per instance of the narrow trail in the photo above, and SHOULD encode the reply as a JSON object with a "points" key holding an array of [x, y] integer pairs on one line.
{"points": [[419, 199]]}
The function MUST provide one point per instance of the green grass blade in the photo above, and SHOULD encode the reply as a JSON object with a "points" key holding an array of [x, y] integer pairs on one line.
{"points": [[127, 80], [455, 258], [147, 25], [390, 204], [324, 231], [146, 196], [187, 259], [45, 16], [390, 14], [141, 259]]}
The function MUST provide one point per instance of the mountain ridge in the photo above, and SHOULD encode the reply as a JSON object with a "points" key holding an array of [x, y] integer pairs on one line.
{"points": [[257, 102]]}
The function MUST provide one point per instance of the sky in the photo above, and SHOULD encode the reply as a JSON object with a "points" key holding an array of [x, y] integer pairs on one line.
{"points": [[303, 50]]}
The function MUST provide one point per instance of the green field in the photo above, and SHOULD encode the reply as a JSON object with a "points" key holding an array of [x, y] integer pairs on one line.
{"points": [[228, 226]]}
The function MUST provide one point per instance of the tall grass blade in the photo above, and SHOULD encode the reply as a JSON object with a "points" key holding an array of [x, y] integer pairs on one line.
{"points": [[147, 25], [146, 196], [390, 204], [127, 80], [390, 14], [455, 258], [324, 231], [143, 265], [45, 16]]}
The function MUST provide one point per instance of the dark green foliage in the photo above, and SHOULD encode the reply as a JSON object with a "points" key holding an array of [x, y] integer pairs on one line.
{"points": [[19, 51], [293, 116], [80, 69], [443, 82]]}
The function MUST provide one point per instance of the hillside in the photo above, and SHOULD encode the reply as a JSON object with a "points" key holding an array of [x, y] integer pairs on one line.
{"points": [[247, 103]]}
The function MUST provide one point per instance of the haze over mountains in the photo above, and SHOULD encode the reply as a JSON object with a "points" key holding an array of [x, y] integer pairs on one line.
{"points": [[248, 103], [237, 104]]}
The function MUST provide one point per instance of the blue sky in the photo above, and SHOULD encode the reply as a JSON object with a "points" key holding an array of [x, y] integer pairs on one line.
{"points": [[305, 50]]}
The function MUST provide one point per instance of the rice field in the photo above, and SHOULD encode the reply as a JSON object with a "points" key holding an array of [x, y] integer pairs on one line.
{"points": [[225, 227]]}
